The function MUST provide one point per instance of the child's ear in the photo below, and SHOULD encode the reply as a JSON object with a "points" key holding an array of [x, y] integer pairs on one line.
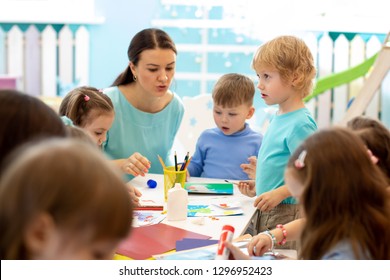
{"points": [[251, 112], [38, 234], [296, 79]]}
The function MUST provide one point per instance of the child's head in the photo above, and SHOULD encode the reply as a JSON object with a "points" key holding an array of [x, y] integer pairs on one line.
{"points": [[233, 102], [291, 59], [342, 192], [24, 118], [61, 199], [90, 109], [376, 137], [78, 133]]}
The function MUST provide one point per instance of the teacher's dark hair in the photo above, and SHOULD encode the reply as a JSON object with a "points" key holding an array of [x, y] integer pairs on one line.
{"points": [[147, 39]]}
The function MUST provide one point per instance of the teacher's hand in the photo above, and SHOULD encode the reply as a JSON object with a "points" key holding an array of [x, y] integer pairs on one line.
{"points": [[136, 165]]}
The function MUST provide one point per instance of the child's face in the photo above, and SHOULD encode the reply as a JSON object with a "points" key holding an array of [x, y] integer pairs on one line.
{"points": [[155, 71], [293, 184], [232, 120], [273, 89], [99, 126]]}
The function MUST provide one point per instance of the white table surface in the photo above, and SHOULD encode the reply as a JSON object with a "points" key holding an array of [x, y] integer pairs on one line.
{"points": [[211, 227]]}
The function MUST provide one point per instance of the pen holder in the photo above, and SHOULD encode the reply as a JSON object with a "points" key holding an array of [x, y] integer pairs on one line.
{"points": [[171, 176]]}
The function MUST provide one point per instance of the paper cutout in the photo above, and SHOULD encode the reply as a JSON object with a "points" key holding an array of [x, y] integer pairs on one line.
{"points": [[212, 210], [149, 205], [145, 218], [191, 243], [209, 188], [147, 241]]}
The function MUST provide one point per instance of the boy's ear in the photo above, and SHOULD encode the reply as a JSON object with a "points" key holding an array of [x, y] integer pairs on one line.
{"points": [[251, 112], [296, 79], [38, 233]]}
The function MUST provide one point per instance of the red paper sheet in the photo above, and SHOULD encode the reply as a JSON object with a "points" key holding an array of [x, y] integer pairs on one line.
{"points": [[146, 241]]}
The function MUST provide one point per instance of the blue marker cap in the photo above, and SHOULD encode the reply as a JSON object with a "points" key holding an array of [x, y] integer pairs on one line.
{"points": [[151, 183]]}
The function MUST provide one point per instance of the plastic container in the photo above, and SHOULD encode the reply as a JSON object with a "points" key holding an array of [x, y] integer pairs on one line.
{"points": [[177, 203], [171, 177], [226, 235]]}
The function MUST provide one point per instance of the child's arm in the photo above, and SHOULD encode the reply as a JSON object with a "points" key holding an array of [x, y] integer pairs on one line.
{"points": [[134, 193], [264, 243], [236, 252], [247, 188], [250, 168], [268, 200]]}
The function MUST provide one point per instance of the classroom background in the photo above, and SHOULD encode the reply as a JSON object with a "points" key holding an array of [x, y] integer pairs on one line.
{"points": [[49, 47]]}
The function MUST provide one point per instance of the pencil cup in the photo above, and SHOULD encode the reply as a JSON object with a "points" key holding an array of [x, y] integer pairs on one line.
{"points": [[171, 177]]}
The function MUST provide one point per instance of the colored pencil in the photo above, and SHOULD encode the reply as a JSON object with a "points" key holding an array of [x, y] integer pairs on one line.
{"points": [[175, 161], [234, 183], [185, 161], [162, 162]]}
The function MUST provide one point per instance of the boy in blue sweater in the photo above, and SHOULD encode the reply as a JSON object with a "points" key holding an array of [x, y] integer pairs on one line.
{"points": [[220, 151]]}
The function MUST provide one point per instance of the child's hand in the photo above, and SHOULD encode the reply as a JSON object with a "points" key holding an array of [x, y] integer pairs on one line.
{"points": [[247, 188], [250, 168], [267, 201], [134, 194], [136, 165], [236, 252], [259, 245]]}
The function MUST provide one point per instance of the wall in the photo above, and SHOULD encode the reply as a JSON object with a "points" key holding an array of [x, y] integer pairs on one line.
{"points": [[109, 41]]}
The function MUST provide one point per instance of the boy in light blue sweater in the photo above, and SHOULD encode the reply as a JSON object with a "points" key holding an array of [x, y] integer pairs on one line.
{"points": [[220, 151], [285, 68]]}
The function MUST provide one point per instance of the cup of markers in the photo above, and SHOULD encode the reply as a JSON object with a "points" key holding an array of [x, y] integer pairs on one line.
{"points": [[174, 174], [171, 176]]}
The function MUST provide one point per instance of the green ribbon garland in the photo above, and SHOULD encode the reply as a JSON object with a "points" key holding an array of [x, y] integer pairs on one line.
{"points": [[344, 77]]}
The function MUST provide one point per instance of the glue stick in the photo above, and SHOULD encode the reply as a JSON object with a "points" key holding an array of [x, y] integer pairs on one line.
{"points": [[226, 235]]}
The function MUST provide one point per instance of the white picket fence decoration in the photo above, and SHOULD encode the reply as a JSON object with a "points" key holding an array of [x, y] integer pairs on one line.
{"points": [[47, 63], [373, 45], [341, 63], [15, 54], [324, 102]]}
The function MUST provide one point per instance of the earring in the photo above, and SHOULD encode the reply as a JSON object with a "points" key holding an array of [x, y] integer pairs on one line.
{"points": [[135, 78]]}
